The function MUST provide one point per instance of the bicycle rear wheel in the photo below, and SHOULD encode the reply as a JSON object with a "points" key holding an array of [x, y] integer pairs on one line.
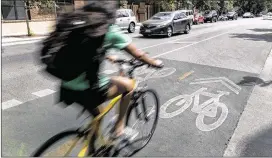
{"points": [[60, 144], [144, 114]]}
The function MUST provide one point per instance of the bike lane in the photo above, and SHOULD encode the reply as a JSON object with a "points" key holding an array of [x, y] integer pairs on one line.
{"points": [[200, 107]]}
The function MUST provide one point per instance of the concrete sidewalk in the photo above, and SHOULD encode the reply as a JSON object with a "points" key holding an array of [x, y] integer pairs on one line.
{"points": [[38, 28], [253, 135]]}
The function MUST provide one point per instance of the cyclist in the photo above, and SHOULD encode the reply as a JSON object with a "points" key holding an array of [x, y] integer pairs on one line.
{"points": [[91, 94]]}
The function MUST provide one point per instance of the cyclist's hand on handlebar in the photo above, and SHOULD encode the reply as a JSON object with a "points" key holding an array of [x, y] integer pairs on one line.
{"points": [[157, 64]]}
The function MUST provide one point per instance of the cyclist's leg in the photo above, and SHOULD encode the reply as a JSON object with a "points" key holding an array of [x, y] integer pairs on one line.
{"points": [[121, 85]]}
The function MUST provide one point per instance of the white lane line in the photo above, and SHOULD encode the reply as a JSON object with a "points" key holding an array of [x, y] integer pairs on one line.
{"points": [[176, 40], [191, 44], [44, 92], [10, 104], [181, 42]]}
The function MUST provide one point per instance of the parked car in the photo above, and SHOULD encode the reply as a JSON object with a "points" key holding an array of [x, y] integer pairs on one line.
{"points": [[211, 16], [223, 17], [248, 15], [268, 16], [126, 19], [166, 23], [232, 16], [259, 15], [189, 14], [198, 18]]}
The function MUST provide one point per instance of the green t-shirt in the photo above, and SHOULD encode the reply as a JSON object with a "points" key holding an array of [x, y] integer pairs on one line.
{"points": [[114, 39]]}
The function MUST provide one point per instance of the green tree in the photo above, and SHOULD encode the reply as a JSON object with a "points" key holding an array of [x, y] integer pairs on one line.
{"points": [[253, 6]]}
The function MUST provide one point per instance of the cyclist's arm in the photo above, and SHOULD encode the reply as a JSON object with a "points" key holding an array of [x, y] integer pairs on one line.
{"points": [[124, 42], [140, 55]]}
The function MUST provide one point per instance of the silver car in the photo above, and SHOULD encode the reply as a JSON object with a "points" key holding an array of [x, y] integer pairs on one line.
{"points": [[126, 19], [268, 16]]}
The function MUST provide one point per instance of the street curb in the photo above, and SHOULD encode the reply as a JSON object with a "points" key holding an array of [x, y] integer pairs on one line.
{"points": [[21, 38]]}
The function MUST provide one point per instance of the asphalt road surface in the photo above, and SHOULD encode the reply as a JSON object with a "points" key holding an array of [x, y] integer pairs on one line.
{"points": [[202, 68]]}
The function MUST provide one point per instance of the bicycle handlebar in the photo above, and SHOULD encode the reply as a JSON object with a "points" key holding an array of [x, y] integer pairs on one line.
{"points": [[134, 63]]}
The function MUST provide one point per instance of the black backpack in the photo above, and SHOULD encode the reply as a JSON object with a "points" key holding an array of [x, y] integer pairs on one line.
{"points": [[76, 45]]}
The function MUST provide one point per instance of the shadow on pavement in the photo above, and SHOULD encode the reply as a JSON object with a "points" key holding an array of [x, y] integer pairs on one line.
{"points": [[254, 37], [249, 81], [261, 30], [259, 145]]}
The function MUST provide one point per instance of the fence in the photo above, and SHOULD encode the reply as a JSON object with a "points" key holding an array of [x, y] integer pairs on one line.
{"points": [[150, 11], [16, 10], [13, 10]]}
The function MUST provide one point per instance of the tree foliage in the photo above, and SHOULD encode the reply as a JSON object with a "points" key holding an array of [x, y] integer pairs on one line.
{"points": [[242, 6], [41, 3]]}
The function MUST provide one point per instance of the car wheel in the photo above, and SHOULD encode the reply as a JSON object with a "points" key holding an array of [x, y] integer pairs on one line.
{"points": [[187, 29], [131, 27], [169, 31]]}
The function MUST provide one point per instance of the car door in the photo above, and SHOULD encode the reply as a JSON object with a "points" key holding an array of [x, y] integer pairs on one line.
{"points": [[177, 22], [183, 20], [119, 19], [214, 14], [126, 18]]}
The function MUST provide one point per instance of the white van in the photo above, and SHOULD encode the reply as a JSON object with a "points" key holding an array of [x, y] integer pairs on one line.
{"points": [[189, 14]]}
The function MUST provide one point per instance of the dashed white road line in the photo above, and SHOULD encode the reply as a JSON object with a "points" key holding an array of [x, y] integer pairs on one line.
{"points": [[191, 44], [10, 104], [181, 42], [44, 92]]}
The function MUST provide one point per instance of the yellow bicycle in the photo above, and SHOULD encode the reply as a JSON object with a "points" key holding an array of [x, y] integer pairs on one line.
{"points": [[82, 141]]}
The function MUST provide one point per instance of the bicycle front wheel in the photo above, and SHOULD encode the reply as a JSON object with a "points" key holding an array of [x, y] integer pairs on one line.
{"points": [[143, 118], [67, 143]]}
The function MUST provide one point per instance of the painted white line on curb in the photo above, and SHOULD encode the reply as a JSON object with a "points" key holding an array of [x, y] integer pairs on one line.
{"points": [[10, 104], [43, 93], [191, 44], [18, 43]]}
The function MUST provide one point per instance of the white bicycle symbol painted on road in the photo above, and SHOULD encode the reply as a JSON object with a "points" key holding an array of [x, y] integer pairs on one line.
{"points": [[209, 108]]}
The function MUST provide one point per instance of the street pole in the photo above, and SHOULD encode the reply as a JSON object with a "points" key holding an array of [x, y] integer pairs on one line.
{"points": [[27, 19], [55, 9]]}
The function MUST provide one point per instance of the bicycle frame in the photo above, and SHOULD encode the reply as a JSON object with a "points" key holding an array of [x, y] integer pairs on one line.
{"points": [[95, 125]]}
